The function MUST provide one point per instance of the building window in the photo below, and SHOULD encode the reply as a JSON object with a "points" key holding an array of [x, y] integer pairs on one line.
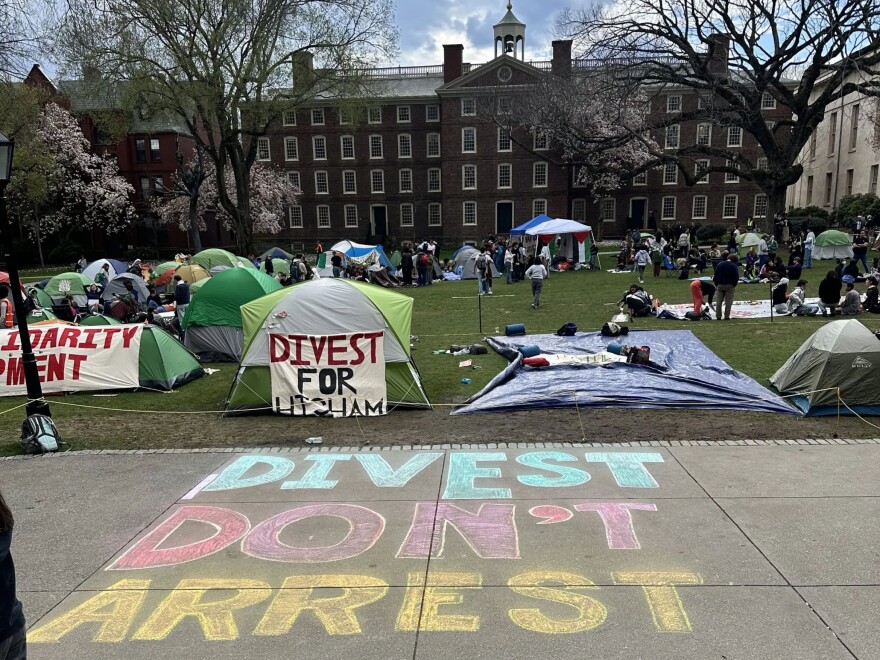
{"points": [[145, 187], [540, 141], [762, 164], [760, 210], [539, 207], [319, 147], [809, 190], [351, 216], [317, 116], [578, 177], [349, 182], [829, 180], [154, 150], [731, 177], [322, 187], [667, 208], [374, 115], [293, 180], [291, 149], [673, 103], [704, 134], [640, 179], [504, 141], [433, 145], [468, 107], [469, 213], [469, 140], [140, 151], [670, 174], [672, 136], [849, 182], [404, 146], [403, 114], [607, 209], [376, 150], [854, 128], [289, 118], [728, 208], [734, 136], [406, 215], [872, 180], [813, 144], [263, 152], [434, 179], [346, 143], [704, 101], [504, 105], [505, 175], [406, 180], [295, 215], [323, 216], [699, 211], [832, 134], [432, 113], [377, 181], [539, 175], [344, 116], [767, 101], [435, 214], [579, 209], [468, 177], [701, 166]]}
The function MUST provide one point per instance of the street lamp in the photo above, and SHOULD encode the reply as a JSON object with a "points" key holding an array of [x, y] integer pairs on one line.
{"points": [[35, 405]]}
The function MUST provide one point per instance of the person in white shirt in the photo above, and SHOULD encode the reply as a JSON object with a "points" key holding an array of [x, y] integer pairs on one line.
{"points": [[508, 265], [808, 248], [545, 259], [536, 273]]}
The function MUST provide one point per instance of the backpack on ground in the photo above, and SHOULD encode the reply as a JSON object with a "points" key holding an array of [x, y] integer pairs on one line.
{"points": [[611, 329], [691, 315], [568, 330], [39, 435]]}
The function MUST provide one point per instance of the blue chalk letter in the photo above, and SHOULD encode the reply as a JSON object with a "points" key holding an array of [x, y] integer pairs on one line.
{"points": [[232, 477], [384, 476], [568, 476], [462, 472], [627, 467], [316, 477]]}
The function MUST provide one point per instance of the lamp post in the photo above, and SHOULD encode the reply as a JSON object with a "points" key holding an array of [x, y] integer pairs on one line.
{"points": [[35, 404]]}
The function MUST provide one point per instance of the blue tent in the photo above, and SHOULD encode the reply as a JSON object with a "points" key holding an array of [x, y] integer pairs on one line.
{"points": [[683, 373], [359, 251], [521, 229]]}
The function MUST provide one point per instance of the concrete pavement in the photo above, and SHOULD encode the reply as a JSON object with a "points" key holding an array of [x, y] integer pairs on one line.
{"points": [[762, 551]]}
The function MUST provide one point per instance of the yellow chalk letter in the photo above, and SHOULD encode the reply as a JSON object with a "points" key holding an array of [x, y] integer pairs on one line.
{"points": [[666, 607], [591, 613], [425, 599]]}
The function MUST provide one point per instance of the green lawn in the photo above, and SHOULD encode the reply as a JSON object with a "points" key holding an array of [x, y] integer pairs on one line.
{"points": [[447, 313]]}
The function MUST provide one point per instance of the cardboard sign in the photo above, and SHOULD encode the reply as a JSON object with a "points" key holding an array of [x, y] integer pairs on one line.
{"points": [[72, 359], [328, 375]]}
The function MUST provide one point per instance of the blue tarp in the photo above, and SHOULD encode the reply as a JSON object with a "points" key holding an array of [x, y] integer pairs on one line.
{"points": [[521, 229], [683, 373]]}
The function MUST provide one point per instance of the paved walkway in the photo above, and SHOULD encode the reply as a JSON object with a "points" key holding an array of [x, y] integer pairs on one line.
{"points": [[759, 551]]}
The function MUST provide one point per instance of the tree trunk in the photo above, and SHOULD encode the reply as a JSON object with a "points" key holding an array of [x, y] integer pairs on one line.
{"points": [[39, 238], [194, 235], [775, 202]]}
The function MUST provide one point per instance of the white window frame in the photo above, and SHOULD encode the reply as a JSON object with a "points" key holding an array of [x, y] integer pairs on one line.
{"points": [[404, 114], [663, 214], [374, 115], [319, 139], [439, 173], [540, 141], [540, 165], [295, 216], [464, 177], [349, 223], [539, 206], [725, 214], [672, 137], [579, 209], [809, 190], [704, 134], [640, 179], [729, 177], [465, 131], [318, 117], [854, 127], [403, 212], [288, 141], [344, 116], [702, 164], [321, 223], [374, 140], [762, 163], [349, 176], [468, 106], [428, 140], [873, 177], [756, 213], [381, 178], [667, 169], [734, 136], [321, 175], [768, 102], [439, 215], [342, 140], [503, 132], [464, 213], [673, 105], [263, 145], [293, 179], [695, 215], [509, 168], [607, 209], [428, 112], [703, 101], [288, 118], [832, 134], [404, 138], [401, 175]]}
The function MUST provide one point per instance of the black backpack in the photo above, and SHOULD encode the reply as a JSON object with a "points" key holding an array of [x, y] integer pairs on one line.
{"points": [[614, 330], [568, 330], [39, 435]]}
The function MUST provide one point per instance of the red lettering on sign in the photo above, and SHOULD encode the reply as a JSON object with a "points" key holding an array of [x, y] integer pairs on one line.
{"points": [[14, 372], [69, 338], [128, 335], [50, 338], [336, 349], [276, 343], [357, 349], [11, 343], [55, 367], [318, 344], [90, 334], [108, 336], [77, 360]]}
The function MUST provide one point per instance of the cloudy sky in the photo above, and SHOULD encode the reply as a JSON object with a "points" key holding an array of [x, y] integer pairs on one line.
{"points": [[426, 26]]}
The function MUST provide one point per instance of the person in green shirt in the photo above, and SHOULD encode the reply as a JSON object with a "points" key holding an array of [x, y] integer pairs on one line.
{"points": [[103, 276]]}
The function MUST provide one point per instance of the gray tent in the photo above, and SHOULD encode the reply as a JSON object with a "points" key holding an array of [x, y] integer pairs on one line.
{"points": [[117, 285], [841, 354], [466, 258]]}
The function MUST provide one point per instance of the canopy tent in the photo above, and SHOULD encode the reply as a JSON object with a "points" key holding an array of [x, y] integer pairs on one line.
{"points": [[276, 253], [100, 319], [211, 257], [832, 244], [116, 268], [212, 322], [557, 226], [519, 230], [573, 243], [466, 260], [841, 354], [75, 284], [683, 373], [322, 311], [117, 286], [747, 240], [278, 266]]}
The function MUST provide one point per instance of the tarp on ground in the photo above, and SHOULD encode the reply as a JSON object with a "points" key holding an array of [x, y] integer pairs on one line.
{"points": [[842, 354], [832, 244], [683, 374]]}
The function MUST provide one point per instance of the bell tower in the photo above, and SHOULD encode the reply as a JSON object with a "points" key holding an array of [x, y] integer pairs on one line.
{"points": [[510, 36]]}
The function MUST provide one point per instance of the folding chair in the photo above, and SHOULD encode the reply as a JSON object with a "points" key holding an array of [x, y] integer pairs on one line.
{"points": [[668, 266]]}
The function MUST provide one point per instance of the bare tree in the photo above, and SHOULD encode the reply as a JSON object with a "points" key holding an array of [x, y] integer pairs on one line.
{"points": [[187, 184], [20, 34], [803, 54], [229, 68]]}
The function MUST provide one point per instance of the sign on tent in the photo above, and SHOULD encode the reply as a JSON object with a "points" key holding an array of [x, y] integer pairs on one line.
{"points": [[339, 375]]}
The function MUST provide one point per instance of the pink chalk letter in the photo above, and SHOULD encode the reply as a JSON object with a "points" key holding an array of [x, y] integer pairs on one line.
{"points": [[490, 532], [618, 521], [550, 514]]}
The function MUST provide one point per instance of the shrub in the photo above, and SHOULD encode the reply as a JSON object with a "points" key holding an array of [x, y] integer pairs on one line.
{"points": [[66, 253], [807, 212], [709, 233]]}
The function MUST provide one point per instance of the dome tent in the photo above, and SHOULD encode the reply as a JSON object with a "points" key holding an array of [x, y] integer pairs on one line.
{"points": [[466, 259], [749, 239], [841, 354], [276, 253], [320, 309], [164, 363], [116, 268], [832, 244], [117, 286], [63, 284], [278, 266], [211, 257], [100, 319], [212, 323]]}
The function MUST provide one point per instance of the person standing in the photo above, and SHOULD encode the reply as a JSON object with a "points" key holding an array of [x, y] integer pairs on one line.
{"points": [[406, 265], [641, 261], [319, 249], [508, 265], [536, 273], [763, 251], [809, 241], [545, 258], [181, 296], [860, 249], [726, 278], [13, 634], [480, 271], [270, 267], [7, 315], [336, 263]]}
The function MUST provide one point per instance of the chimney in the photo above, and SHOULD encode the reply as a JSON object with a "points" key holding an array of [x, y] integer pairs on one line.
{"points": [[718, 48], [303, 68], [452, 58], [561, 62]]}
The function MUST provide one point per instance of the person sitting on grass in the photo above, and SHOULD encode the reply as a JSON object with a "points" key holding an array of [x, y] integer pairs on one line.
{"points": [[872, 300], [852, 301], [829, 293], [638, 300], [796, 304], [795, 269]]}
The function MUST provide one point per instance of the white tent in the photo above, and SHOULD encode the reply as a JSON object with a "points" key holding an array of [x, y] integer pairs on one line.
{"points": [[569, 246]]}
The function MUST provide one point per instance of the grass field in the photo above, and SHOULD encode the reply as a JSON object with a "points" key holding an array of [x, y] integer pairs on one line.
{"points": [[445, 313]]}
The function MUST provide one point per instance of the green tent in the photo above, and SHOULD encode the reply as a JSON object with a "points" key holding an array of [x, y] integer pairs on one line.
{"points": [[211, 257], [100, 319], [328, 306], [196, 286], [747, 240], [279, 266], [158, 269], [42, 297], [40, 315], [73, 283], [244, 262], [832, 244], [164, 363], [212, 322]]}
